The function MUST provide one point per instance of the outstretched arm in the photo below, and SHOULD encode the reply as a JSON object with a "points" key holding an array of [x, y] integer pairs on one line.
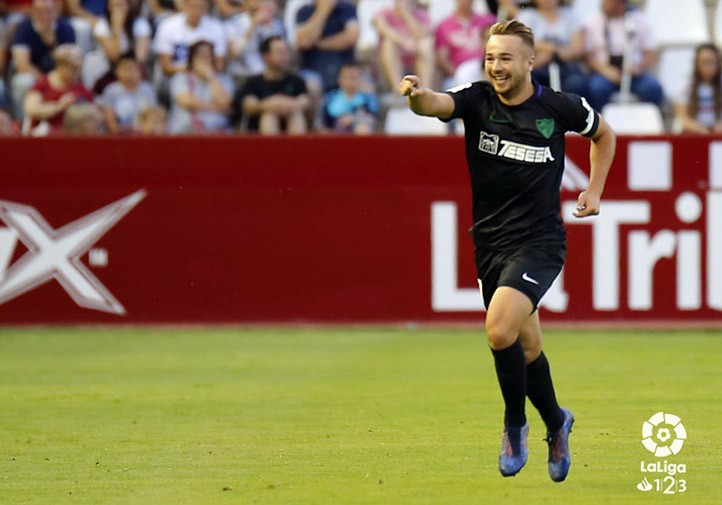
{"points": [[601, 154], [424, 101]]}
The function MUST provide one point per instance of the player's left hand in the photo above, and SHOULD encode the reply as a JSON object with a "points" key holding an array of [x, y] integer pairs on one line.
{"points": [[587, 204]]}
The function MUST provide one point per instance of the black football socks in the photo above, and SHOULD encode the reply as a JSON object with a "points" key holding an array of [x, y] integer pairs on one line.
{"points": [[540, 390], [511, 371]]}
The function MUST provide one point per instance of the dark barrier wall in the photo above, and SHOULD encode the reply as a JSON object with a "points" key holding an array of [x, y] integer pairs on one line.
{"points": [[326, 229]]}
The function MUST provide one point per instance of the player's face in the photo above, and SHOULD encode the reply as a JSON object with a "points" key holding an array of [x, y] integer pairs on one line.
{"points": [[508, 64]]}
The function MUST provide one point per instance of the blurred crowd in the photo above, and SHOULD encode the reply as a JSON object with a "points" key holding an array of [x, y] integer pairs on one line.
{"points": [[155, 67]]}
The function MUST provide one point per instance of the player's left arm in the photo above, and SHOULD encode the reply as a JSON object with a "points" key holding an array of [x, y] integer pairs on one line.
{"points": [[601, 154]]}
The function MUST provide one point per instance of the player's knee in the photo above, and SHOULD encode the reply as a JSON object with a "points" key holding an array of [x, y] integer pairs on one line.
{"points": [[500, 335]]}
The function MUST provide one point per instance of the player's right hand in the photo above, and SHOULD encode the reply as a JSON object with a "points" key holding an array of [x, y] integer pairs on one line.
{"points": [[410, 85]]}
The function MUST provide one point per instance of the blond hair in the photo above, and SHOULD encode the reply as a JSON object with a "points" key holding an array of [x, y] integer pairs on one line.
{"points": [[514, 27]]}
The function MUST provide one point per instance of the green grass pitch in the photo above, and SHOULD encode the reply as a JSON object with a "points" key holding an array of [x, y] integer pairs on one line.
{"points": [[337, 416]]}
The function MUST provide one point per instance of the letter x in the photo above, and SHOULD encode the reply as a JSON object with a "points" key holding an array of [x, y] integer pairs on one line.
{"points": [[55, 254]]}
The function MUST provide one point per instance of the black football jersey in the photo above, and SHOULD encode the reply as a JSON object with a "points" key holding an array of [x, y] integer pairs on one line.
{"points": [[516, 160]]}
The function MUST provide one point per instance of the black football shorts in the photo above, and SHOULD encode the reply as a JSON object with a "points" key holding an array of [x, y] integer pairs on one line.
{"points": [[531, 269]]}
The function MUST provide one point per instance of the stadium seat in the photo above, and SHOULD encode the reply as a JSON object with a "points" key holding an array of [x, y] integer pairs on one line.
{"points": [[401, 121], [289, 19], [586, 9], [634, 118], [366, 10], [678, 23], [674, 68]]}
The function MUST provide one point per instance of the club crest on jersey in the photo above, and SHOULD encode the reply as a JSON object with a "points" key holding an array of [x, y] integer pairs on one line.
{"points": [[490, 143], [545, 126]]}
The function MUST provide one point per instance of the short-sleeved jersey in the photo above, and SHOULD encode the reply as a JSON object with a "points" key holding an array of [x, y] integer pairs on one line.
{"points": [[516, 160]]}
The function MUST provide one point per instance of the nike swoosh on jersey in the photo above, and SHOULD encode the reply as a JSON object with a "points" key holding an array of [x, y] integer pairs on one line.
{"points": [[495, 119], [525, 276]]}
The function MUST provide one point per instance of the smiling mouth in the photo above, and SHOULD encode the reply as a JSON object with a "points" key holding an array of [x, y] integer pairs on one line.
{"points": [[500, 78]]}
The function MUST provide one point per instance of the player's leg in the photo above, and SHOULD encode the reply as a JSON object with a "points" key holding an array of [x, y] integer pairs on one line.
{"points": [[540, 390], [508, 310]]}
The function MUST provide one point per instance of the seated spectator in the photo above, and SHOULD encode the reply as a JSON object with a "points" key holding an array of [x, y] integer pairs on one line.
{"points": [[178, 32], [121, 30], [200, 97], [84, 14], [276, 100], [606, 40], [698, 107], [152, 121], [326, 37], [83, 120], [348, 109], [51, 95], [559, 38], [457, 39], [123, 100], [34, 40], [405, 42], [246, 31]]}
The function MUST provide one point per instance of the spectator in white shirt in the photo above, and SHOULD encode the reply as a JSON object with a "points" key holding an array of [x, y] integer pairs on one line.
{"points": [[178, 32]]}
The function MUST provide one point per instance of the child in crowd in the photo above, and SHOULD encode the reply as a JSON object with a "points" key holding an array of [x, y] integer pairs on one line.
{"points": [[348, 109], [152, 121], [125, 98]]}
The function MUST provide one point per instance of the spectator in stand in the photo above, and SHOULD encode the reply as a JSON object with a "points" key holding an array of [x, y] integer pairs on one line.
{"points": [[457, 39], [606, 39], [51, 95], [405, 42], [121, 30], [326, 37], [178, 32], [348, 109], [83, 119], [153, 121], [123, 100], [275, 101], [246, 31], [698, 106], [559, 38], [34, 41], [200, 97]]}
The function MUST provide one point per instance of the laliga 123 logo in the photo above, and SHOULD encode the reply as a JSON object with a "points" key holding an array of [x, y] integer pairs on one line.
{"points": [[55, 254], [663, 435]]}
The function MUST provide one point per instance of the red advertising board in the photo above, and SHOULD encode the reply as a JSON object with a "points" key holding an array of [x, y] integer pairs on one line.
{"points": [[332, 230]]}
